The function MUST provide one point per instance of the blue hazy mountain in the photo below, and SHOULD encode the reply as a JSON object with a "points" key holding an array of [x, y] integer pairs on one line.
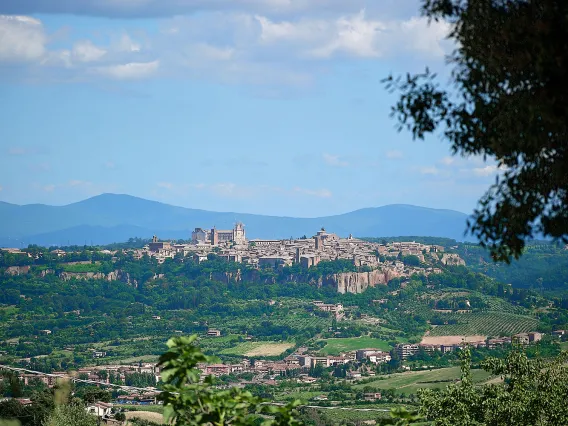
{"points": [[111, 218]]}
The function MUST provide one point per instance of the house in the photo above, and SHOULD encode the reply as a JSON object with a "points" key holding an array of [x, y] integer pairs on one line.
{"points": [[372, 396], [521, 338], [535, 336], [46, 332], [353, 374], [405, 350], [379, 357], [99, 354], [100, 409], [212, 332], [218, 369]]}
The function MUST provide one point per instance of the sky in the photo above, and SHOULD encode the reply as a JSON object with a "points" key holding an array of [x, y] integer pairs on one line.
{"points": [[260, 106]]}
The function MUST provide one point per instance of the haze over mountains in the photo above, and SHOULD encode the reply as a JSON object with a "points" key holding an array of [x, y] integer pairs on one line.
{"points": [[109, 218]]}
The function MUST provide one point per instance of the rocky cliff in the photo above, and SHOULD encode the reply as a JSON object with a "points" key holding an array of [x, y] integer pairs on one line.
{"points": [[358, 282], [347, 282]]}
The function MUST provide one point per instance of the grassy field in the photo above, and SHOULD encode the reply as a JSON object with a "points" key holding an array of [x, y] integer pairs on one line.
{"points": [[411, 381], [153, 408], [145, 415], [258, 349], [487, 324], [335, 346]]}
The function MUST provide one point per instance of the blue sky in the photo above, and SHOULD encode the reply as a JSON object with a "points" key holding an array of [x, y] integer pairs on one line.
{"points": [[261, 106]]}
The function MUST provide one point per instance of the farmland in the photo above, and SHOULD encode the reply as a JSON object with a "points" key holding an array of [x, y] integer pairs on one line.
{"points": [[488, 324], [410, 382], [335, 346], [258, 349]]}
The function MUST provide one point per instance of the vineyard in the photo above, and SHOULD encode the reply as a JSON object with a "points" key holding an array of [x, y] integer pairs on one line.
{"points": [[488, 324]]}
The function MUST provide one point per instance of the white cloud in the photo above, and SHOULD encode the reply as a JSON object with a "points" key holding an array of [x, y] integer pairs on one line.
{"points": [[132, 70], [394, 155], [334, 160], [86, 51], [76, 183], [422, 36], [166, 185], [488, 170], [126, 44], [319, 193], [231, 45], [433, 171], [49, 188], [448, 161], [356, 35], [22, 39]]}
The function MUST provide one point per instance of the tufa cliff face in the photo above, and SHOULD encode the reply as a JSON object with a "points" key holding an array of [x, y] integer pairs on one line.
{"points": [[358, 282], [347, 282], [452, 259]]}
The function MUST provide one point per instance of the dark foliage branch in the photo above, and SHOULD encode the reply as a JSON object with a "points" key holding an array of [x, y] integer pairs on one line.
{"points": [[508, 101]]}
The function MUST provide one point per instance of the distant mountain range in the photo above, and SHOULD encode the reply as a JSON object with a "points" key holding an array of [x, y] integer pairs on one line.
{"points": [[109, 218]]}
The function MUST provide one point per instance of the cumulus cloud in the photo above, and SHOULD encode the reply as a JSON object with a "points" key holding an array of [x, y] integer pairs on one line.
{"points": [[488, 170], [448, 161], [241, 44], [132, 70], [356, 35], [22, 39], [86, 51]]}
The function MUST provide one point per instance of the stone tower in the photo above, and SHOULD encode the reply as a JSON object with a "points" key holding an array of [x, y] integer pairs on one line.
{"points": [[214, 237], [239, 236]]}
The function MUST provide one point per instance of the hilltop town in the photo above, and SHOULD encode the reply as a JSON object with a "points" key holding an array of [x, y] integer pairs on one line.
{"points": [[377, 263]]}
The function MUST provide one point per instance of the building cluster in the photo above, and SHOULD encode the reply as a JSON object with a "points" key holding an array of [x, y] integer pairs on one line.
{"points": [[406, 350], [232, 245], [100, 374], [298, 365]]}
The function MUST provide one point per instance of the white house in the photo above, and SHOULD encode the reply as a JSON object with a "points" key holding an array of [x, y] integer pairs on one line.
{"points": [[100, 409]]}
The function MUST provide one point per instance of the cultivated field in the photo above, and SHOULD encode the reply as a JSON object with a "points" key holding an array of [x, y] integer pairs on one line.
{"points": [[258, 349], [451, 340], [411, 381], [145, 415], [487, 323], [335, 346]]}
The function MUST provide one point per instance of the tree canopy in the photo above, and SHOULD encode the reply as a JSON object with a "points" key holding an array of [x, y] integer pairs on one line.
{"points": [[508, 101]]}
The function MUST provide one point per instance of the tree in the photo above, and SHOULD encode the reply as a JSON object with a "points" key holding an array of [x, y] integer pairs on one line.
{"points": [[533, 392], [509, 102], [189, 402], [71, 415]]}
